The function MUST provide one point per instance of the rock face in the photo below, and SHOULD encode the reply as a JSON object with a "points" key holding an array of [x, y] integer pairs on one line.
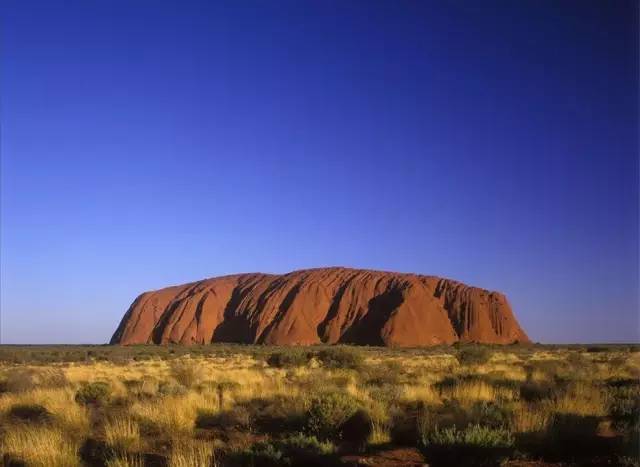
{"points": [[329, 305]]}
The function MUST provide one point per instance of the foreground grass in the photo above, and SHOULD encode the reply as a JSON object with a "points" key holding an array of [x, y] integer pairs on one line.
{"points": [[246, 405]]}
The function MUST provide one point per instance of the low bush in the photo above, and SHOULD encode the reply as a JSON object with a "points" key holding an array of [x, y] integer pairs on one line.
{"points": [[624, 407], [473, 445], [97, 393], [95, 452], [277, 415], [472, 435], [260, 454], [292, 357], [473, 355], [328, 412], [296, 450], [490, 414], [340, 357], [32, 413], [448, 382]]}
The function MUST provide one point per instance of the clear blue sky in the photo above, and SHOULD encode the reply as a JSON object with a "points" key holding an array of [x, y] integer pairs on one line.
{"points": [[149, 143]]}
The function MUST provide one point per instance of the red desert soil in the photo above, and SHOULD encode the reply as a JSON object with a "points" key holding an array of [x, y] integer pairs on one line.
{"points": [[314, 306]]}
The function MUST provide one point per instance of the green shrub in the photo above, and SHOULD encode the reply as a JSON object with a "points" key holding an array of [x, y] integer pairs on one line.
{"points": [[260, 454], [33, 413], [340, 357], [473, 355], [490, 414], [296, 450], [98, 393], [473, 445], [624, 407], [95, 452], [472, 435], [309, 444], [327, 413], [277, 415], [292, 357]]}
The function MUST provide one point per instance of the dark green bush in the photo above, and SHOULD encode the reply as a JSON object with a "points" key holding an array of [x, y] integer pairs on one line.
{"points": [[624, 407], [291, 357], [340, 357], [277, 415], [490, 414], [297, 450], [472, 435], [98, 393], [32, 413], [473, 445], [448, 382], [328, 412], [260, 454]]}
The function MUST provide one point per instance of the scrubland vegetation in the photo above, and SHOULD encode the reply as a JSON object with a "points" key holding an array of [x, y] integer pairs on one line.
{"points": [[227, 405]]}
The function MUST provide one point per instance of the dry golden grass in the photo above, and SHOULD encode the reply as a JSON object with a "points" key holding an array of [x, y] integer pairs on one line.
{"points": [[527, 418], [390, 383], [175, 415], [468, 392], [60, 402], [192, 453], [40, 446], [582, 399], [122, 434], [423, 393]]}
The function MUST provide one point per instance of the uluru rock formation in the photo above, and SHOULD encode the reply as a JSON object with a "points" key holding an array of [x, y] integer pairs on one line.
{"points": [[314, 306]]}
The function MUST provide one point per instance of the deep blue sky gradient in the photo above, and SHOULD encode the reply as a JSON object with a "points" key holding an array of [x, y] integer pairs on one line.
{"points": [[149, 143]]}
